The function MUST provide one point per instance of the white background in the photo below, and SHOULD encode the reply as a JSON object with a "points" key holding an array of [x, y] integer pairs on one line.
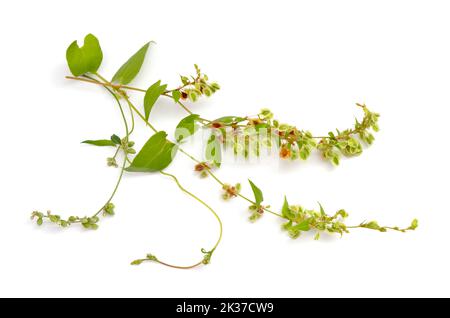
{"points": [[309, 61]]}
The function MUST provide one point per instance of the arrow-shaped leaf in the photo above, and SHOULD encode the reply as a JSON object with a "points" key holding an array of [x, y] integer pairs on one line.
{"points": [[100, 142], [128, 71], [151, 96], [257, 192], [286, 211]]}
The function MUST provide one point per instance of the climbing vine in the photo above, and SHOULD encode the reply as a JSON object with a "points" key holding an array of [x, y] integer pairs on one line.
{"points": [[245, 135]]}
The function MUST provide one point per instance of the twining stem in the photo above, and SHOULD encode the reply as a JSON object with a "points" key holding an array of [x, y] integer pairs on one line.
{"points": [[198, 161], [172, 266], [119, 179], [154, 259], [202, 202], [106, 83], [130, 104], [132, 107], [184, 107], [167, 94]]}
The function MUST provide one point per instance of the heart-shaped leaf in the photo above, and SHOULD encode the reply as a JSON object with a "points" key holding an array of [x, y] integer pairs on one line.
{"points": [[85, 59], [186, 127], [155, 155], [128, 71], [151, 96]]}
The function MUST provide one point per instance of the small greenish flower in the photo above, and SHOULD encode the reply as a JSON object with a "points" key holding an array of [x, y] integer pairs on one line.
{"points": [[151, 257], [137, 262], [266, 114], [414, 224], [108, 209], [230, 191], [111, 162], [207, 256]]}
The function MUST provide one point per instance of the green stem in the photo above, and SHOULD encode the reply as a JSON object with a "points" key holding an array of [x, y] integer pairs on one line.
{"points": [[185, 108], [203, 203], [166, 94], [132, 107], [116, 187], [101, 77], [117, 151], [132, 119], [115, 86], [198, 161], [139, 114]]}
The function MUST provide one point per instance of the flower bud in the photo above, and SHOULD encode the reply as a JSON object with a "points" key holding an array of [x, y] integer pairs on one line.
{"points": [[193, 96]]}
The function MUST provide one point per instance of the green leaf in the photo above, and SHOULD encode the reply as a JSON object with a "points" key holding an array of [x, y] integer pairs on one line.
{"points": [[335, 159], [128, 71], [100, 142], [137, 262], [157, 154], [213, 151], [151, 96], [229, 119], [286, 211], [176, 96], [85, 59], [373, 225], [257, 192], [261, 127], [305, 152], [322, 211], [116, 139], [414, 224], [302, 226], [186, 127]]}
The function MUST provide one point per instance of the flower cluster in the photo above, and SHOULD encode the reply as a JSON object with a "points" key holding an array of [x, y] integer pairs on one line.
{"points": [[256, 211], [148, 258], [195, 86], [345, 141], [303, 220], [108, 209], [87, 222], [202, 168], [121, 144], [230, 191], [246, 135]]}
